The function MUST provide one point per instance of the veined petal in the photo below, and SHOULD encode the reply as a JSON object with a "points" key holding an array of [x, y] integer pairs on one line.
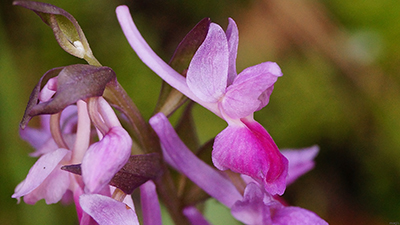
{"points": [[208, 71], [300, 162], [296, 215], [107, 211], [153, 61], [43, 167], [180, 157], [232, 34], [52, 189], [105, 158], [249, 149], [250, 90]]}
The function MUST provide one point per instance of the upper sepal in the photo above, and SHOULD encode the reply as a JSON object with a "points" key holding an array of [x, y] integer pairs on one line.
{"points": [[66, 29], [74, 82], [170, 99]]}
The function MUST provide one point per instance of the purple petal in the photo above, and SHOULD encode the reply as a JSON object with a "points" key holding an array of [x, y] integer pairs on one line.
{"points": [[250, 90], [232, 34], [107, 211], [249, 149], [296, 215], [208, 71], [37, 138], [252, 210], [105, 158], [180, 157], [41, 170], [150, 204], [194, 216], [300, 162], [153, 61]]}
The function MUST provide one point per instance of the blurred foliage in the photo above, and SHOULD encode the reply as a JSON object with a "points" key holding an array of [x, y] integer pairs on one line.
{"points": [[340, 90]]}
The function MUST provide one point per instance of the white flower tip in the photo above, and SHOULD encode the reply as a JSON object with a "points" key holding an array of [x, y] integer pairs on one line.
{"points": [[79, 47], [121, 9], [275, 69]]}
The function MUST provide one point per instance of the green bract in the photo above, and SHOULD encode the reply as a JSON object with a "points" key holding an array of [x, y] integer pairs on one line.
{"points": [[66, 29]]}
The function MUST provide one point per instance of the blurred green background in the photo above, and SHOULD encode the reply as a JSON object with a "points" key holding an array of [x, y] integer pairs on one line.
{"points": [[340, 90]]}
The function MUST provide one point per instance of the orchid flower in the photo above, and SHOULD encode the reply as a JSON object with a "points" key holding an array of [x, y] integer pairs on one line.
{"points": [[256, 206], [45, 179], [244, 146], [100, 161]]}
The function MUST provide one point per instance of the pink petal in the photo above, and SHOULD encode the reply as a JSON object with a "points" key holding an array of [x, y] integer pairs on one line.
{"points": [[179, 156], [107, 211], [147, 55], [252, 210], [52, 189], [208, 71], [153, 61], [232, 34], [249, 149], [300, 162], [43, 167], [150, 204], [250, 90], [48, 90], [195, 217], [296, 215], [105, 158]]}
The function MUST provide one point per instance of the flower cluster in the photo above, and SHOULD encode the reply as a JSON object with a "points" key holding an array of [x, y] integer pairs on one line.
{"points": [[87, 156]]}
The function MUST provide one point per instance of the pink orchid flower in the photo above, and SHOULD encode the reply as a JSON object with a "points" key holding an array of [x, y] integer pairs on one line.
{"points": [[244, 146], [256, 206], [99, 161]]}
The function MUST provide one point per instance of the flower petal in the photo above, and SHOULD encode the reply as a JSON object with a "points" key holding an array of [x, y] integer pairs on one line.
{"points": [[195, 217], [52, 189], [250, 90], [179, 156], [232, 34], [208, 71], [150, 204], [249, 149], [252, 210], [43, 167], [105, 158], [107, 211], [153, 61], [300, 162], [296, 215]]}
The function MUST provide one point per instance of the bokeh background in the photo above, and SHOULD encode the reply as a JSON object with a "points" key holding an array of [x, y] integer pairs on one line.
{"points": [[340, 90]]}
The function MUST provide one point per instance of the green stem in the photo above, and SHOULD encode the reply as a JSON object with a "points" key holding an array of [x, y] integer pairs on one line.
{"points": [[167, 191]]}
